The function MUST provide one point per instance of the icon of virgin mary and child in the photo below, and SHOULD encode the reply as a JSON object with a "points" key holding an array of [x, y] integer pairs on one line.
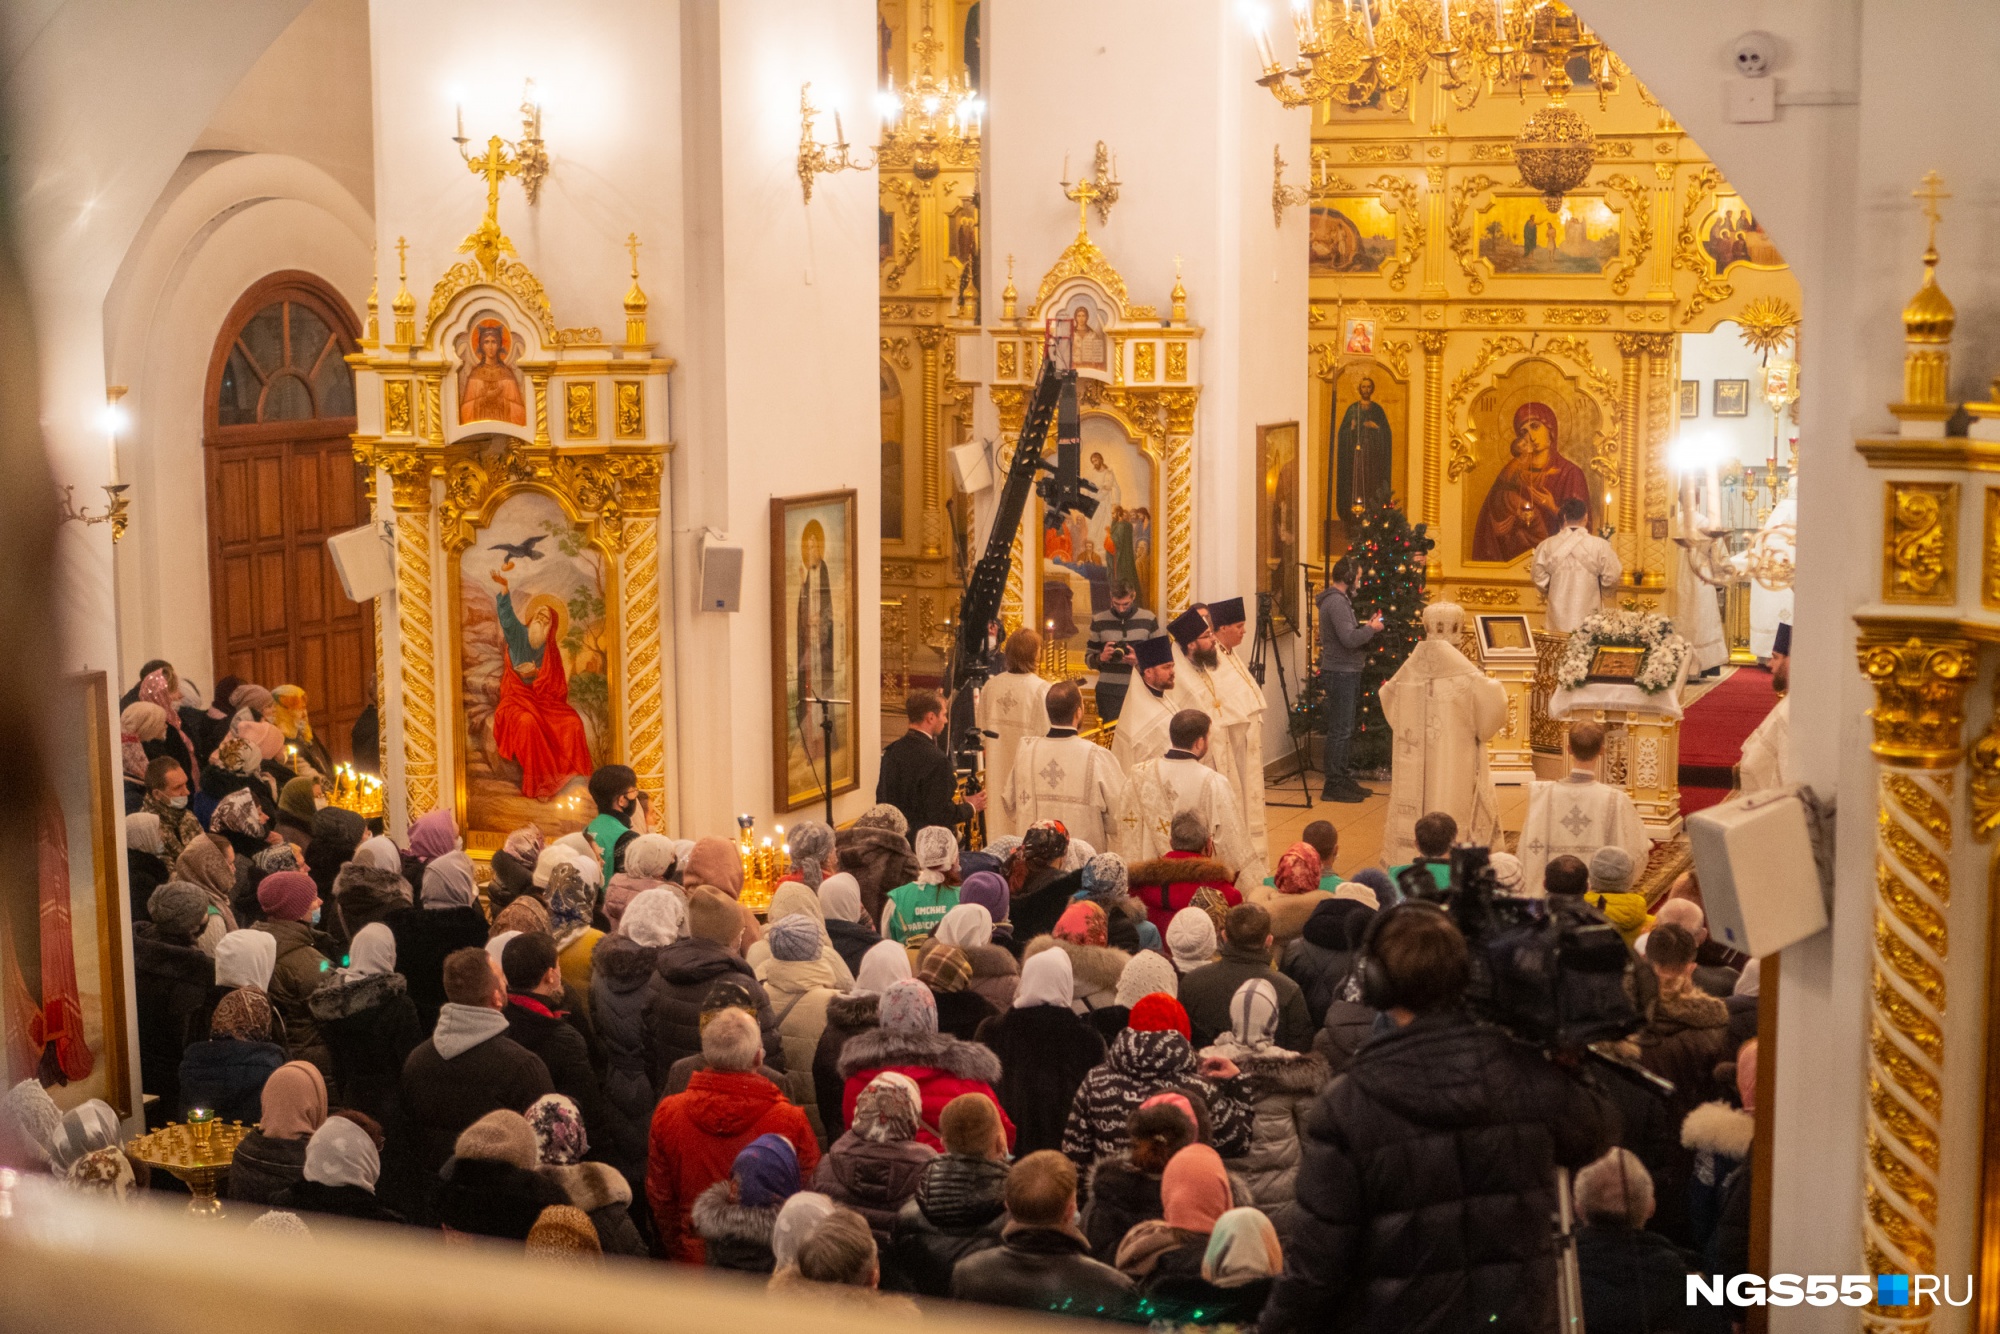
{"points": [[1524, 504], [534, 724]]}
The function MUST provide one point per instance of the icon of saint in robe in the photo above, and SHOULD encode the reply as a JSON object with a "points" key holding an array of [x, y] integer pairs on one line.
{"points": [[1524, 504], [490, 391], [534, 724], [1363, 453]]}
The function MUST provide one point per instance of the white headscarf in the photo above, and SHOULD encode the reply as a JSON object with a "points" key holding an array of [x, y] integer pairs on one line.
{"points": [[499, 943], [654, 917], [965, 926], [561, 853], [840, 897], [801, 1214], [1253, 1014], [380, 852], [142, 833], [246, 959], [937, 854], [1749, 979], [1191, 938], [372, 953], [1076, 855], [340, 1153], [649, 857], [1046, 979], [885, 964]]}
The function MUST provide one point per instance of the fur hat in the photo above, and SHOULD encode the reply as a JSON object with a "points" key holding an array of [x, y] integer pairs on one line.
{"points": [[290, 895], [1145, 975], [564, 1233], [713, 915], [178, 908], [945, 969], [1157, 1013], [1610, 871], [501, 1137]]}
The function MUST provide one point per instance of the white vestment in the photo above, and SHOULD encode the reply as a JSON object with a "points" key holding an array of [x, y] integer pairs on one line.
{"points": [[1198, 688], [1014, 705], [1163, 788], [1576, 817], [1764, 765], [1443, 710], [1243, 714], [1573, 569], [1699, 619], [1141, 733], [1070, 779]]}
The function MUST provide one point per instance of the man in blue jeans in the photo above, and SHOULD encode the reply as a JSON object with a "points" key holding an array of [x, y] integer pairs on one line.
{"points": [[1343, 652]]}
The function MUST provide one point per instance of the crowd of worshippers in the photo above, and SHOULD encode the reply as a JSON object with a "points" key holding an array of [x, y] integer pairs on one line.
{"points": [[1022, 1075]]}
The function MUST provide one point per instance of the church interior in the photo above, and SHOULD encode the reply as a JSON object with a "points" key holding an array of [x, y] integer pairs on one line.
{"points": [[455, 400]]}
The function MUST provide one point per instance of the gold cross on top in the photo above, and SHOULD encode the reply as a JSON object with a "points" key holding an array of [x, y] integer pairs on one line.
{"points": [[632, 244], [1931, 192], [1084, 193]]}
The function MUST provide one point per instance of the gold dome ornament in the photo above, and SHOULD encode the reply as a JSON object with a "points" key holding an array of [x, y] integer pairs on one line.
{"points": [[635, 300], [404, 306], [1556, 148], [1928, 320]]}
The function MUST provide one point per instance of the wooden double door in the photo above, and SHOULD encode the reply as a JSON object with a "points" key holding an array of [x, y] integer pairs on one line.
{"points": [[282, 479]]}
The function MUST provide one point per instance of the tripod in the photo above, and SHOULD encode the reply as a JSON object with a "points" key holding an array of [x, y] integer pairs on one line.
{"points": [[825, 782], [1265, 648]]}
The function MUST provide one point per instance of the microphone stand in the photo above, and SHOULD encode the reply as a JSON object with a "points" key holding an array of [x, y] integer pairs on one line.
{"points": [[825, 781]]}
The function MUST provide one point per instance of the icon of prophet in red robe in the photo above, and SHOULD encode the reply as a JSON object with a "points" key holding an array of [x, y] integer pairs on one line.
{"points": [[534, 724]]}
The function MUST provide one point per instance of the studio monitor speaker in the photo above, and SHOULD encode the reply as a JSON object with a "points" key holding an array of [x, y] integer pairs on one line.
{"points": [[721, 575], [971, 470], [362, 559], [1760, 882]]}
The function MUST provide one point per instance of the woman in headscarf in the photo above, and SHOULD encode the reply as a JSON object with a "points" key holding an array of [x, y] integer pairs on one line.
{"points": [[848, 1016], [649, 860], [336, 836], [226, 1073], [848, 928], [623, 986], [874, 1167], [988, 890], [514, 866], [367, 1020], [1036, 879], [1082, 934], [1194, 1194], [947, 971], [273, 1157], [813, 856], [800, 983], [915, 909], [570, 909], [800, 1215], [875, 850], [146, 866], [1107, 884], [1239, 1265], [210, 862], [234, 767], [298, 804], [140, 723], [432, 836], [342, 1164], [238, 819], [380, 852], [969, 928], [1281, 1087], [718, 863], [1293, 893], [85, 1128], [1191, 939], [793, 898], [735, 1216], [160, 689], [272, 771], [594, 1187], [1045, 1050], [288, 715], [906, 1039], [448, 918]]}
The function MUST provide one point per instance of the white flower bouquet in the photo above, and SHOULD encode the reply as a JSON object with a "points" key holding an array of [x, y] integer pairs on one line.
{"points": [[1665, 650]]}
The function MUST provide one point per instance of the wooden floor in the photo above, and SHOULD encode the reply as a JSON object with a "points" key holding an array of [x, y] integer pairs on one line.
{"points": [[1360, 825]]}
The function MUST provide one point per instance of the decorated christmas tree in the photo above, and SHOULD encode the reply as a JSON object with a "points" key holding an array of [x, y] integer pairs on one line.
{"points": [[1390, 556]]}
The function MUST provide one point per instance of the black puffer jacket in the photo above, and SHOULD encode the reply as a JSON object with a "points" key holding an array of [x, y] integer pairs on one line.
{"points": [[1139, 1065], [424, 936], [959, 1209], [1121, 1197], [1636, 1283], [488, 1198], [687, 968], [845, 1017], [733, 1235], [874, 1180], [265, 1168], [851, 940], [1321, 958], [623, 985], [371, 1027], [171, 980], [226, 1075], [1425, 1186], [1045, 1051]]}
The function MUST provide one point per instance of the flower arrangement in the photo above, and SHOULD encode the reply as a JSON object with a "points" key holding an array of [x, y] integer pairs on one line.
{"points": [[1647, 630]]}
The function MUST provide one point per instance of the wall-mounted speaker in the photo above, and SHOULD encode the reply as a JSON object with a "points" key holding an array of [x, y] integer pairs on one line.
{"points": [[721, 575], [1760, 882], [364, 561]]}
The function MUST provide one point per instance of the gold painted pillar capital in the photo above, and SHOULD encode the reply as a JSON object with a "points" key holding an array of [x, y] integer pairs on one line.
{"points": [[1920, 683]]}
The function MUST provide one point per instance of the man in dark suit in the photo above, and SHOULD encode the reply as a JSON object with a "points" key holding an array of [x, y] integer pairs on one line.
{"points": [[916, 777]]}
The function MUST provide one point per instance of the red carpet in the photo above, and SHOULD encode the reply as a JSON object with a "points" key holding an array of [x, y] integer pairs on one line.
{"points": [[1713, 732]]}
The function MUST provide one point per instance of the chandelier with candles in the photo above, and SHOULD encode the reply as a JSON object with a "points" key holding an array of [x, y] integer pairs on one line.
{"points": [[931, 123]]}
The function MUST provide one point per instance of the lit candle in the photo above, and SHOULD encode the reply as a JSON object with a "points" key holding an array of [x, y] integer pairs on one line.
{"points": [[1368, 21], [460, 109], [1500, 21], [839, 134], [1065, 169], [1301, 22]]}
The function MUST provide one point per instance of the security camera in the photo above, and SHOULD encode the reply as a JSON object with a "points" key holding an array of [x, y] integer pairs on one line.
{"points": [[1756, 54]]}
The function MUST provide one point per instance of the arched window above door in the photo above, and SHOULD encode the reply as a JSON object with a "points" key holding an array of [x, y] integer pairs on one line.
{"points": [[284, 364]]}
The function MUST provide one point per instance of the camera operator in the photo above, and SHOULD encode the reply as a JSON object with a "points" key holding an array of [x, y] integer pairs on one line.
{"points": [[1113, 632], [917, 777], [1426, 1186]]}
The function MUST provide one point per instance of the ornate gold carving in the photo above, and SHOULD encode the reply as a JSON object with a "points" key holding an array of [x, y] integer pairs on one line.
{"points": [[1914, 911], [1005, 363], [1144, 358], [1083, 260], [579, 335], [1500, 152], [1638, 229], [1984, 762], [1378, 153], [1177, 362], [1765, 324], [1495, 315], [1577, 314], [1930, 814], [645, 714], [1433, 342], [510, 276], [538, 382], [1920, 687], [896, 350], [417, 631], [580, 409], [629, 410], [1395, 354], [1571, 348], [1485, 597], [1458, 232], [1688, 254], [397, 415], [904, 310], [1920, 542], [1410, 230]]}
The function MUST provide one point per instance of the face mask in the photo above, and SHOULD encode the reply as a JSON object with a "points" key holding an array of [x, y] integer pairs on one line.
{"points": [[315, 917], [178, 803], [319, 803]]}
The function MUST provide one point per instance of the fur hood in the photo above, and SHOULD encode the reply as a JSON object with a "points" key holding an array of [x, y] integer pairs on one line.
{"points": [[717, 1218], [878, 1048], [365, 894], [992, 961], [1095, 967], [1720, 1129], [623, 963], [592, 1186], [1279, 1072], [1179, 871], [856, 1010], [343, 998], [1690, 1009]]}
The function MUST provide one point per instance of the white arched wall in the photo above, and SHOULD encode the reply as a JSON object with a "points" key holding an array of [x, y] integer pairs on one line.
{"points": [[226, 221]]}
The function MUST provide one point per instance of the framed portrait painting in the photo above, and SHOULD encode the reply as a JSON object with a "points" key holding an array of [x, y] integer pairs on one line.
{"points": [[1732, 398], [1081, 557], [814, 653], [1278, 518], [1690, 398]]}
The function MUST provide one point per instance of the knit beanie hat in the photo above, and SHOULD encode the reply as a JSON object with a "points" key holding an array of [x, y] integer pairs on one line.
{"points": [[289, 895], [178, 908], [1145, 975], [908, 1007], [565, 1234], [1610, 871], [989, 891], [969, 1124], [558, 1127], [1104, 877], [500, 1137], [1158, 1013], [794, 939], [811, 844], [1191, 938], [713, 915], [1509, 876], [944, 968]]}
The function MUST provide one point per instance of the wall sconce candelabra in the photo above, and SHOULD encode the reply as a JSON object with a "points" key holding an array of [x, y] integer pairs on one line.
{"points": [[1099, 190], [527, 157], [116, 502], [1284, 196], [816, 158]]}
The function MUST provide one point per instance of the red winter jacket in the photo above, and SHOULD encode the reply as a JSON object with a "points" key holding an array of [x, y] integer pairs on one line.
{"points": [[942, 1065], [1169, 884], [695, 1138]]}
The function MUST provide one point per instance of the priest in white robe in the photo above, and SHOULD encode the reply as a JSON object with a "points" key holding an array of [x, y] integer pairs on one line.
{"points": [[1063, 777], [1442, 710], [1574, 568], [1765, 766], [1010, 709], [1578, 815], [1698, 618], [1177, 781], [1141, 732], [1243, 707]]}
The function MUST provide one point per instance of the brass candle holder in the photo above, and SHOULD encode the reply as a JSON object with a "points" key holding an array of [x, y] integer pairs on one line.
{"points": [[197, 1152], [765, 862]]}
